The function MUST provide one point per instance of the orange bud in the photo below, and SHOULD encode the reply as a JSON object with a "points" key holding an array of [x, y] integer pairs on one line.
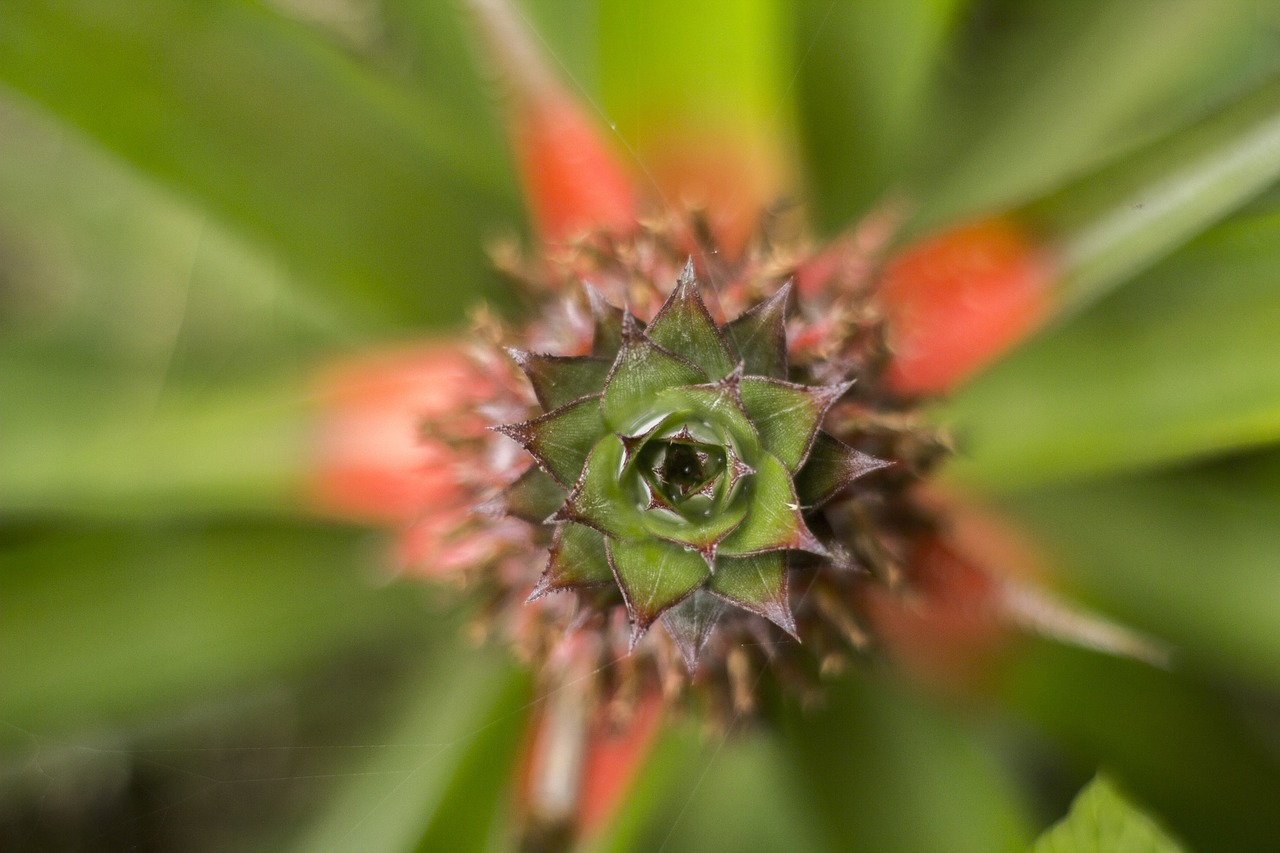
{"points": [[572, 181], [959, 300], [614, 757], [946, 627], [371, 462]]}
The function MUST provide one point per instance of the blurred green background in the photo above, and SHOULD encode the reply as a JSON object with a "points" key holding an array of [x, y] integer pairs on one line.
{"points": [[201, 201]]}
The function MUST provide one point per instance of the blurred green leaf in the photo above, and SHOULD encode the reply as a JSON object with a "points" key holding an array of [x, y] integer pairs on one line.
{"points": [[1112, 224], [1188, 557], [1180, 363], [1045, 90], [105, 272], [1177, 747], [1103, 821], [668, 65], [737, 794], [886, 772], [101, 626], [376, 193], [677, 757], [446, 765], [125, 447], [864, 74]]}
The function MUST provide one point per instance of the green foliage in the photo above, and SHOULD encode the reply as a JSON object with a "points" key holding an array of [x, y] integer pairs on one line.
{"points": [[1103, 821], [201, 202]]}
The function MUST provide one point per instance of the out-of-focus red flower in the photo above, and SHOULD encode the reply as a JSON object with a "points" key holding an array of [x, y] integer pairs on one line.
{"points": [[372, 461], [952, 623], [572, 182], [959, 300]]}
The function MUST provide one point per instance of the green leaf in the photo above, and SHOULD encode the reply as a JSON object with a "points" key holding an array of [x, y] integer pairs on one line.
{"points": [[559, 380], [1113, 223], [561, 439], [378, 193], [107, 625], [702, 534], [1076, 83], [607, 322], [726, 795], [704, 69], [106, 271], [641, 370], [441, 779], [689, 624], [759, 335], [830, 466], [720, 405], [1179, 364], [1103, 821], [757, 584], [1187, 557], [534, 496], [577, 559], [787, 415], [885, 770], [110, 446], [599, 500], [684, 326], [774, 521], [1146, 727], [653, 576], [863, 87]]}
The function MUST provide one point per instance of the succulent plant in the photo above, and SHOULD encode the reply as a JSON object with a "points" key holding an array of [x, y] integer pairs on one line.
{"points": [[678, 460]]}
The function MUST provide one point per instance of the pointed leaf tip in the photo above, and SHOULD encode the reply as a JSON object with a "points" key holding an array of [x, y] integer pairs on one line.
{"points": [[788, 415], [757, 584], [684, 326], [775, 522], [641, 370], [558, 380], [830, 466], [760, 335], [654, 576], [577, 559], [687, 278], [560, 439], [607, 321], [690, 624]]}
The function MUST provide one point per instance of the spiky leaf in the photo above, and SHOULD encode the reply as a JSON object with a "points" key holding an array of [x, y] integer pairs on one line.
{"points": [[598, 498], [702, 534], [760, 336], [577, 559], [830, 466], [641, 370], [558, 380], [689, 624], [561, 439], [718, 403], [774, 521], [534, 496], [653, 576], [683, 325], [607, 324], [787, 415], [757, 584]]}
